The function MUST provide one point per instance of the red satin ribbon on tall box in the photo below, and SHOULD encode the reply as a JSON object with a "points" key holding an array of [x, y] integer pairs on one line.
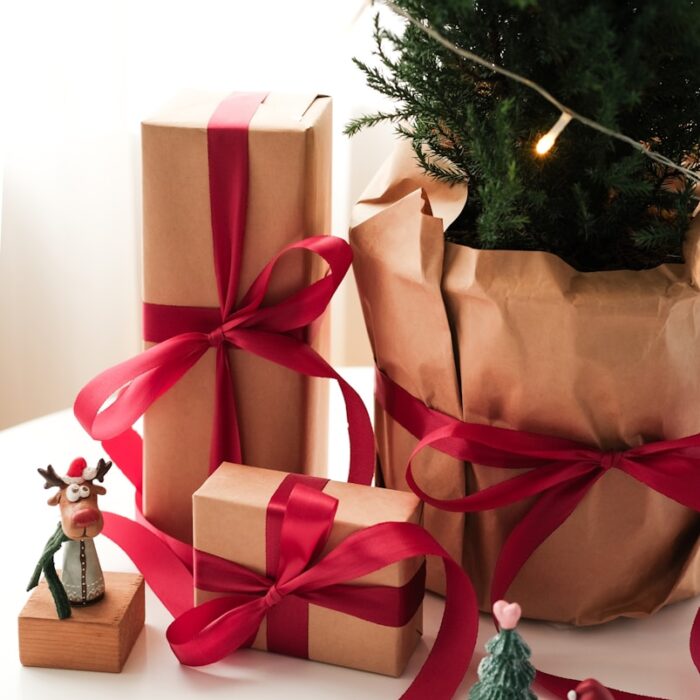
{"points": [[561, 474], [299, 521], [184, 334]]}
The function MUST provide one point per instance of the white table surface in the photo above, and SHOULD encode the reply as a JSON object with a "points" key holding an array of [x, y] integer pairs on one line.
{"points": [[646, 656]]}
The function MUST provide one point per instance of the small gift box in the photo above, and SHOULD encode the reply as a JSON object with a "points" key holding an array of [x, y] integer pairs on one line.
{"points": [[267, 545]]}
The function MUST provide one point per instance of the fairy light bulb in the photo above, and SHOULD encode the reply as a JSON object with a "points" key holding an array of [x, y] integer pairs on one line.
{"points": [[548, 140]]}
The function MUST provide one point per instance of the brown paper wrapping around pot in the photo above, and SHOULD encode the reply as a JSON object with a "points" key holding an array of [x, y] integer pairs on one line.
{"points": [[521, 340], [282, 414], [234, 500]]}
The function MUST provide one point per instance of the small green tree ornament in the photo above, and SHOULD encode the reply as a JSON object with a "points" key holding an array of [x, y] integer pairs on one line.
{"points": [[506, 673]]}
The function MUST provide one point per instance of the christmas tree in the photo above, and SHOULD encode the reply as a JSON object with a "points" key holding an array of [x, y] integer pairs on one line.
{"points": [[595, 201], [506, 674]]}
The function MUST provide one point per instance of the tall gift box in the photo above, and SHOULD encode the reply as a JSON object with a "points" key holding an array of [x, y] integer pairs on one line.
{"points": [[280, 414], [236, 512]]}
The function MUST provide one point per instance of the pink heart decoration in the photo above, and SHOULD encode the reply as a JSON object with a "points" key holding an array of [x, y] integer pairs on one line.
{"points": [[507, 614]]}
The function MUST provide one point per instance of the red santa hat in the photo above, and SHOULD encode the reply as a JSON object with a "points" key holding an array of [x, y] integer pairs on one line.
{"points": [[77, 466], [589, 689], [78, 472]]}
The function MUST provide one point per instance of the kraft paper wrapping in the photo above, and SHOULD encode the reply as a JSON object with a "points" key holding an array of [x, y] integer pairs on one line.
{"points": [[282, 415], [234, 500], [521, 340]]}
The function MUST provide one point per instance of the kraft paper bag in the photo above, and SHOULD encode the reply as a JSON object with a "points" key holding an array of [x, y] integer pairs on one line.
{"points": [[519, 339]]}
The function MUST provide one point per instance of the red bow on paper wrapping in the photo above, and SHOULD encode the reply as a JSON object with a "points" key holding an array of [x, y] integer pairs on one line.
{"points": [[266, 331], [222, 625], [561, 474]]}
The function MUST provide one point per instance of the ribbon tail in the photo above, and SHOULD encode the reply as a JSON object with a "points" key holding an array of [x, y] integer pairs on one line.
{"points": [[226, 438], [549, 511], [137, 383], [213, 630], [294, 354], [675, 476], [381, 545], [695, 641], [163, 571], [180, 549], [126, 451], [442, 672], [362, 449]]}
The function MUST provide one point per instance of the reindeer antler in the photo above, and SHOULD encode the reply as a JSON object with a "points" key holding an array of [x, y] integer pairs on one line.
{"points": [[102, 469], [52, 479]]}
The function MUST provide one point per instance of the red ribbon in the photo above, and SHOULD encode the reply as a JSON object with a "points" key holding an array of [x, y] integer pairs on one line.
{"points": [[561, 474], [214, 629], [288, 621]]}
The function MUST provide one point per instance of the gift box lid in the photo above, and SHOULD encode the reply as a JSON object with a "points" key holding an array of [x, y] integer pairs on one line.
{"points": [[289, 155], [192, 109]]}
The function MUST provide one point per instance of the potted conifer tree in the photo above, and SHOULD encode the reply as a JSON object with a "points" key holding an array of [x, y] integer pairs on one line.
{"points": [[548, 292]]}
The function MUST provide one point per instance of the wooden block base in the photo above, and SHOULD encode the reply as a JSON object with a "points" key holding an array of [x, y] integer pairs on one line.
{"points": [[96, 637]]}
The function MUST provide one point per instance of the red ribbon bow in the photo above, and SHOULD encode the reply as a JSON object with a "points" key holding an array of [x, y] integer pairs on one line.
{"points": [[561, 474], [266, 331], [214, 629], [185, 333]]}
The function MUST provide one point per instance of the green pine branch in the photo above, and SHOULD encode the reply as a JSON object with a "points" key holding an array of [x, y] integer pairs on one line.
{"points": [[368, 120], [593, 201]]}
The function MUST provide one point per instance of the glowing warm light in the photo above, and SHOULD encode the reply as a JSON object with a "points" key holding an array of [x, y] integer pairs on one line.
{"points": [[548, 140], [544, 144]]}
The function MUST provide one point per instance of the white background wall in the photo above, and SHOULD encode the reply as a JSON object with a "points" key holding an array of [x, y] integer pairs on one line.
{"points": [[77, 78]]}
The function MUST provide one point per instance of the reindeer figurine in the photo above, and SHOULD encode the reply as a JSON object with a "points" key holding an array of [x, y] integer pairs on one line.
{"points": [[81, 582]]}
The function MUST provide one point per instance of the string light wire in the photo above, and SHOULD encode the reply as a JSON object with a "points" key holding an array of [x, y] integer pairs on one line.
{"points": [[430, 31]]}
